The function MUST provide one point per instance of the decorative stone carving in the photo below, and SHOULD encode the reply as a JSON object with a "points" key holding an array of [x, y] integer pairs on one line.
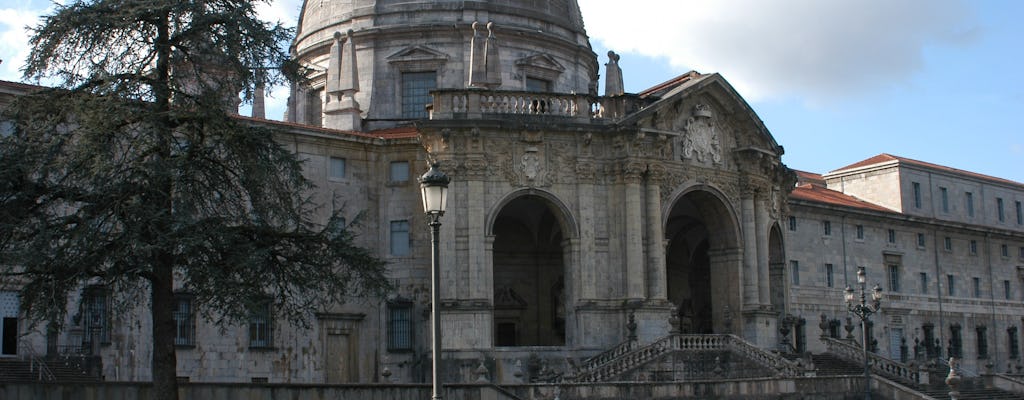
{"points": [[701, 138], [632, 171], [530, 163]]}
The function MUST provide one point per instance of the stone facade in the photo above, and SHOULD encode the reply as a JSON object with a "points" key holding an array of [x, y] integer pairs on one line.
{"points": [[577, 221]]}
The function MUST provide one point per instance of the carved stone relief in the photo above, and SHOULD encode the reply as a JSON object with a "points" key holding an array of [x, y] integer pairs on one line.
{"points": [[700, 140]]}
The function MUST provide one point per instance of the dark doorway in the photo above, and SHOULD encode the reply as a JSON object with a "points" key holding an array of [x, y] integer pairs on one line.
{"points": [[528, 275]]}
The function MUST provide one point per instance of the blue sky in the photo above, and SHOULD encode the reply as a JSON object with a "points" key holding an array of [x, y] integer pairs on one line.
{"points": [[835, 82]]}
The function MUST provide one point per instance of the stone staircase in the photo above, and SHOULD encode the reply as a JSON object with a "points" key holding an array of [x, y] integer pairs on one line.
{"points": [[845, 359], [628, 357], [65, 370], [970, 389]]}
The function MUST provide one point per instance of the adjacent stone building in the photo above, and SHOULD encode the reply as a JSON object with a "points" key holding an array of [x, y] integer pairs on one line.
{"points": [[577, 221]]}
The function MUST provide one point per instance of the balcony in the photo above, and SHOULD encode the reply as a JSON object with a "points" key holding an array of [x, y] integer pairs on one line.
{"points": [[481, 104]]}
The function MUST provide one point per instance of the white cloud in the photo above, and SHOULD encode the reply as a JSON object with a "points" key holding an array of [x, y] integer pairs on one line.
{"points": [[812, 49], [15, 37]]}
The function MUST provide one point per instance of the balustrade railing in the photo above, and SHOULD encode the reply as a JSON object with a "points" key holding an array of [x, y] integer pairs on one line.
{"points": [[883, 366], [624, 358], [463, 103]]}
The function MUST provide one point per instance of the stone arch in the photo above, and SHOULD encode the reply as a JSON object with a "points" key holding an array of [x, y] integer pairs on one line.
{"points": [[703, 259], [530, 257]]}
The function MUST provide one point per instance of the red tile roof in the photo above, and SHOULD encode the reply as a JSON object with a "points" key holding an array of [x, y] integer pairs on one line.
{"points": [[885, 157], [809, 177], [819, 194], [401, 132], [18, 86], [669, 84]]}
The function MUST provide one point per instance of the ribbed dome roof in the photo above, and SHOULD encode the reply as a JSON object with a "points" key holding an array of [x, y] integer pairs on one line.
{"points": [[320, 18]]}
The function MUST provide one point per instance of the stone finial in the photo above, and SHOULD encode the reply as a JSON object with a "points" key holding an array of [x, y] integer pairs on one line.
{"points": [[953, 379], [517, 372], [492, 58], [484, 58], [613, 85], [631, 325], [342, 85], [334, 65], [259, 108], [673, 321]]}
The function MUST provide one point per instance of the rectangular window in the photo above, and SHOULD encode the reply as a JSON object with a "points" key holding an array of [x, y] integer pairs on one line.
{"points": [[931, 346], [95, 315], [947, 243], [945, 199], [951, 285], [315, 107], [917, 195], [956, 342], [400, 326], [400, 238], [792, 223], [892, 236], [969, 201], [1004, 250], [894, 277], [184, 321], [337, 167], [924, 283], [261, 329], [794, 267], [1006, 289], [827, 227], [982, 341], [860, 232], [416, 87], [1011, 334], [974, 247], [829, 280], [537, 85], [999, 209], [1020, 213], [920, 240], [1021, 251], [399, 171], [977, 287]]}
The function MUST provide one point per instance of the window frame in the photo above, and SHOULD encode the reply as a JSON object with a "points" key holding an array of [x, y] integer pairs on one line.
{"points": [[407, 94], [393, 240], [332, 168], [261, 325], [400, 335], [184, 321]]}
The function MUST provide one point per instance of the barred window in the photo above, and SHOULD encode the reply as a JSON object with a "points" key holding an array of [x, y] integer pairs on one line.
{"points": [[860, 232], [829, 281], [794, 267], [982, 341], [894, 277], [400, 323], [416, 87], [96, 315], [792, 223], [184, 321], [1011, 333], [261, 328], [826, 227]]}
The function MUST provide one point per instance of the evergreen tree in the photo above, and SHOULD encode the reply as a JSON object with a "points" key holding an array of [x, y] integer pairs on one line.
{"points": [[131, 174]]}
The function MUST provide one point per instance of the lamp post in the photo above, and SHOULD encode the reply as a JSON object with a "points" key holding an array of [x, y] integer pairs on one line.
{"points": [[863, 310], [434, 187]]}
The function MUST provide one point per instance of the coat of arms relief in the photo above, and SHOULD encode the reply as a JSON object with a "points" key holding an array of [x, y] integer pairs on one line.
{"points": [[700, 137]]}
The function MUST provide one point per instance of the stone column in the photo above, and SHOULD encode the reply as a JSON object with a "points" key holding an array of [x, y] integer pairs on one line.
{"points": [[750, 295], [632, 173], [588, 274], [479, 288], [657, 276], [762, 222]]}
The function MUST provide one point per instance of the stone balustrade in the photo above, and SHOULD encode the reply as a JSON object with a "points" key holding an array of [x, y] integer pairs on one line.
{"points": [[880, 365], [624, 358], [474, 104]]}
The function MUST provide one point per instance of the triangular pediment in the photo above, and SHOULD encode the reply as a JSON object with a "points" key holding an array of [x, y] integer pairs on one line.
{"points": [[706, 113], [540, 60], [417, 54]]}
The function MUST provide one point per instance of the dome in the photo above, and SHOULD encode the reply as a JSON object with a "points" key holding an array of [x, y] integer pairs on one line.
{"points": [[543, 47]]}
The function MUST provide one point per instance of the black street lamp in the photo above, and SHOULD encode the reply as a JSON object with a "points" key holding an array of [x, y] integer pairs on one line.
{"points": [[863, 310], [434, 186]]}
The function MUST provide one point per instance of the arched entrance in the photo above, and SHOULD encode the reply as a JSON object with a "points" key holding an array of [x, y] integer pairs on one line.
{"points": [[529, 274], [700, 261]]}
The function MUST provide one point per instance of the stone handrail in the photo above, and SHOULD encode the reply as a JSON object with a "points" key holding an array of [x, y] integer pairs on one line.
{"points": [[36, 363], [784, 367], [612, 366], [880, 365], [607, 356], [472, 103], [960, 369]]}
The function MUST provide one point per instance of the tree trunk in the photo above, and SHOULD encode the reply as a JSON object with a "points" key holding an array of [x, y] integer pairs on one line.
{"points": [[165, 363]]}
